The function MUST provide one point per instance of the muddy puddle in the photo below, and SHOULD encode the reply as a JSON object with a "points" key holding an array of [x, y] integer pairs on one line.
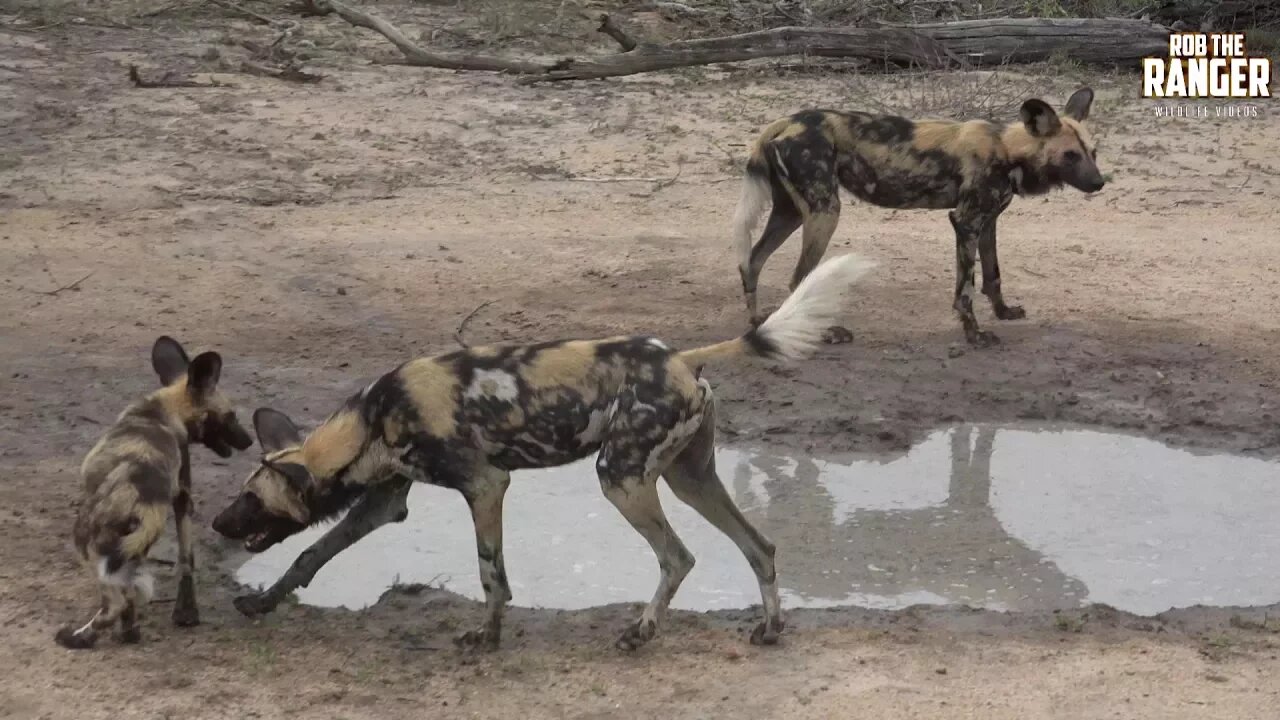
{"points": [[1005, 518]]}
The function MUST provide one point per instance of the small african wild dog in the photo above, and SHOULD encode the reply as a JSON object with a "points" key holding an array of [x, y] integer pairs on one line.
{"points": [[133, 475], [466, 419], [974, 168]]}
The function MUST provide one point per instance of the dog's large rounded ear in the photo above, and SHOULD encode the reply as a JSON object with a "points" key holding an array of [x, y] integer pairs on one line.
{"points": [[202, 376], [275, 430], [169, 360], [1079, 103], [1040, 119]]}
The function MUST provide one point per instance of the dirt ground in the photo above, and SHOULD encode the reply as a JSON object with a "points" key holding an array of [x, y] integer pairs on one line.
{"points": [[319, 235]]}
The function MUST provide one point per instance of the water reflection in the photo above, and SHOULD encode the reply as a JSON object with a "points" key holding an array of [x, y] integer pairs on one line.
{"points": [[1000, 517]]}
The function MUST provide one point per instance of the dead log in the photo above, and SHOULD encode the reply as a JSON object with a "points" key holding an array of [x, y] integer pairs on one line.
{"points": [[1024, 40], [936, 45]]}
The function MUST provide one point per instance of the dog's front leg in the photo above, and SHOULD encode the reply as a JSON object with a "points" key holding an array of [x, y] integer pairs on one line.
{"points": [[969, 223], [991, 274], [484, 493], [382, 503]]}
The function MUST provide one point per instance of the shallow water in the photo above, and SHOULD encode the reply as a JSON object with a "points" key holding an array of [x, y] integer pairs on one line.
{"points": [[1008, 518]]}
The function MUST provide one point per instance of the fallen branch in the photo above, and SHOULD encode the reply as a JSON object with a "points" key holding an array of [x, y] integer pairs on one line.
{"points": [[937, 45], [289, 73], [462, 326], [73, 286], [165, 82]]}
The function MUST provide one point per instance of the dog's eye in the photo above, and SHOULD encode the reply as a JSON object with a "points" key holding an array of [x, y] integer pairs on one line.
{"points": [[1072, 156]]}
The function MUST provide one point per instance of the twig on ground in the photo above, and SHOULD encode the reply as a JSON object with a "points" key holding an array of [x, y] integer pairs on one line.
{"points": [[290, 73], [462, 326], [613, 30], [73, 286], [165, 82]]}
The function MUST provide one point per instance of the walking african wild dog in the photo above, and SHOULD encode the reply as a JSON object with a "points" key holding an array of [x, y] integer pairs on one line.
{"points": [[466, 419], [133, 475], [973, 168]]}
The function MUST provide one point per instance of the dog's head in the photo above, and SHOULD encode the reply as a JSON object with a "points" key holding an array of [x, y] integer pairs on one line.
{"points": [[276, 501], [193, 394], [1056, 149]]}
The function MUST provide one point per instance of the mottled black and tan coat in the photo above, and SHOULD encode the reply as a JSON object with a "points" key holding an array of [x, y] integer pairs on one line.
{"points": [[467, 419], [973, 168], [139, 470]]}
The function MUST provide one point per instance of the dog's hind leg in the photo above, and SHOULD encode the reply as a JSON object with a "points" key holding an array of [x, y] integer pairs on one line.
{"points": [[692, 477], [636, 498], [819, 201], [382, 503], [484, 493], [185, 611], [113, 604], [784, 220]]}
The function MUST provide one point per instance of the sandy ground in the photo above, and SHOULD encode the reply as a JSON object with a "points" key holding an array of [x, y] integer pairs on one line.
{"points": [[318, 236]]}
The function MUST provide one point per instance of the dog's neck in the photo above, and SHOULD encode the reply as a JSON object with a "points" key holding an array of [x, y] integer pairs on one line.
{"points": [[1029, 180], [338, 451], [169, 406]]}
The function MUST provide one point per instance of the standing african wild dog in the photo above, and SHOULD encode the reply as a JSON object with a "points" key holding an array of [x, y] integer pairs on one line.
{"points": [[466, 419], [974, 168], [134, 474]]}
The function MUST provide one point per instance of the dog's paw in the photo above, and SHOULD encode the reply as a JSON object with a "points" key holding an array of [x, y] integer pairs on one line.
{"points": [[836, 335], [1010, 312], [72, 640], [480, 639], [983, 339], [767, 633], [636, 635], [131, 636], [256, 604], [187, 616]]}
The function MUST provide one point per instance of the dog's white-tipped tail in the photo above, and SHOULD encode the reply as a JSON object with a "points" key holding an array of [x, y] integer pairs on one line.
{"points": [[755, 196], [795, 330]]}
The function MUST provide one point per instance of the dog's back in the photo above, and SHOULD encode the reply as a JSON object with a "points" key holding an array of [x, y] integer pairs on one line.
{"points": [[130, 478]]}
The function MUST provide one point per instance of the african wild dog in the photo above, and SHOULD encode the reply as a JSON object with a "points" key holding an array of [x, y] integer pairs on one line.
{"points": [[466, 419], [133, 475], [975, 168]]}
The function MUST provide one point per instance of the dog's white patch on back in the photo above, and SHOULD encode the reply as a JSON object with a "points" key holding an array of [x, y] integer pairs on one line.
{"points": [[494, 384], [658, 344]]}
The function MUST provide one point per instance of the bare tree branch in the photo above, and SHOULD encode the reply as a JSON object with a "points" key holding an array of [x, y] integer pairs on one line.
{"points": [[415, 55]]}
